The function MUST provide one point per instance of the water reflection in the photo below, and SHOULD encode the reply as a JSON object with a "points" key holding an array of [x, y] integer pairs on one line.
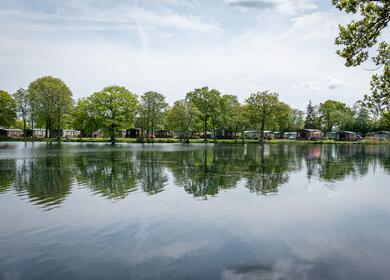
{"points": [[111, 173], [46, 173], [7, 173], [46, 179]]}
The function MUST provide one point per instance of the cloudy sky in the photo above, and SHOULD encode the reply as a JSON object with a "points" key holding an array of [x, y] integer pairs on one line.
{"points": [[173, 46]]}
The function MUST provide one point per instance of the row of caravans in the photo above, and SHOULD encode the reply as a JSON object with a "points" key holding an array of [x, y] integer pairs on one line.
{"points": [[38, 133], [304, 134]]}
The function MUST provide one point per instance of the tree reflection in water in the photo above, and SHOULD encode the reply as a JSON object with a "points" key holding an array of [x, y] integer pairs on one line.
{"points": [[47, 172], [7, 174], [109, 172], [47, 179]]}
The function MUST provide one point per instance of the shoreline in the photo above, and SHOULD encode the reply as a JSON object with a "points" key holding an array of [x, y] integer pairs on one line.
{"points": [[196, 141]]}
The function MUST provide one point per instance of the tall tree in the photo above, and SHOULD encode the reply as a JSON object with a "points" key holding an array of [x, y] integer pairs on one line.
{"points": [[22, 107], [113, 108], [154, 106], [385, 121], [240, 120], [81, 117], [335, 114], [362, 121], [7, 109], [52, 99], [206, 102], [296, 120], [263, 106], [311, 120], [359, 36], [282, 119], [181, 117]]}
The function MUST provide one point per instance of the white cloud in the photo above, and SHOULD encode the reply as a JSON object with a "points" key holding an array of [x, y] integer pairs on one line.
{"points": [[285, 6], [176, 48], [310, 85], [335, 83]]}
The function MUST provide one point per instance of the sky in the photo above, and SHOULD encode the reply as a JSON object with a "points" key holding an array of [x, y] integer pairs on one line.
{"points": [[173, 46]]}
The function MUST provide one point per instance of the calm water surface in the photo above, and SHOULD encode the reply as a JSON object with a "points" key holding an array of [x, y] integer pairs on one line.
{"points": [[96, 211]]}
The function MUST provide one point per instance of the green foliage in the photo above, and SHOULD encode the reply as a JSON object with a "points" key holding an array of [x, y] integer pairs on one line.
{"points": [[50, 99], [113, 108], [7, 109], [207, 103], [312, 118], [358, 37], [180, 116], [263, 108], [152, 109], [385, 121], [22, 106], [82, 119], [335, 114]]}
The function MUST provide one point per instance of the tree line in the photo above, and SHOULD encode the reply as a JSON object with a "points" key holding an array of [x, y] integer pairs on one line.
{"points": [[48, 103]]}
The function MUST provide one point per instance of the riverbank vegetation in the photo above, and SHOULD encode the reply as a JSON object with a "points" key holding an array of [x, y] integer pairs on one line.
{"points": [[48, 103]]}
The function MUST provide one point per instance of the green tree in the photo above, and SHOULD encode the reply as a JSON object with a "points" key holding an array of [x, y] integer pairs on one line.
{"points": [[7, 109], [181, 117], [22, 107], [282, 119], [359, 36], [236, 117], [206, 102], [385, 121], [50, 99], [228, 104], [362, 121], [113, 108], [311, 120], [153, 107], [263, 107], [81, 117], [296, 120], [335, 114]]}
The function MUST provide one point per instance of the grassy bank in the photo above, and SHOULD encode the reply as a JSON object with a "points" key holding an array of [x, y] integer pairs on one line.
{"points": [[219, 141]]}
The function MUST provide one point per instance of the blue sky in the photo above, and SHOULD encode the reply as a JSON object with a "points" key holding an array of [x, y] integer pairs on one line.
{"points": [[173, 46]]}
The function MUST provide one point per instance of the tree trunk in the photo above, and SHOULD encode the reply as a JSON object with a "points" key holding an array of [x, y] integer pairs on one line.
{"points": [[112, 135], [262, 131], [24, 129], [205, 130], [32, 128], [46, 130], [58, 131]]}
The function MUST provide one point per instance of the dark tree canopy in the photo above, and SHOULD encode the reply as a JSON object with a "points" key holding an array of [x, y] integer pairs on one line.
{"points": [[358, 39]]}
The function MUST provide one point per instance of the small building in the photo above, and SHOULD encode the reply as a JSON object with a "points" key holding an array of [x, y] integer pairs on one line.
{"points": [[133, 133], [222, 133], [98, 134], [65, 133], [379, 136], [346, 136], [290, 135], [180, 134], [11, 132], [121, 133], [309, 134], [162, 133], [256, 134], [36, 132], [331, 135], [279, 135]]}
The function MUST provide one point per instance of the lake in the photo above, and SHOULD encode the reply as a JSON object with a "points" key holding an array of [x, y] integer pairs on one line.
{"points": [[198, 211]]}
